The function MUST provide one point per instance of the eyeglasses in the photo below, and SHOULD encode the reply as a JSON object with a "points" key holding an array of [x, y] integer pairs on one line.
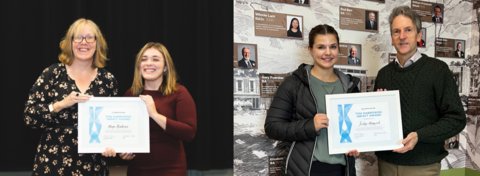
{"points": [[79, 39]]}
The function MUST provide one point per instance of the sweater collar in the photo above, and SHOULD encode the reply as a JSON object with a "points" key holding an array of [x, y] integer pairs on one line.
{"points": [[419, 61]]}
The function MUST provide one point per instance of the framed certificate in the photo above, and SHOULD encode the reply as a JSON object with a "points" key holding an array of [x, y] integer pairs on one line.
{"points": [[369, 121], [118, 122]]}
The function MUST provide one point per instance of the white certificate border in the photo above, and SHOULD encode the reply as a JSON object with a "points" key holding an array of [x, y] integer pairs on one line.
{"points": [[367, 147], [141, 147]]}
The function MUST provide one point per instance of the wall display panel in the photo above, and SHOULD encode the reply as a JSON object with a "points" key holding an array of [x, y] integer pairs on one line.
{"points": [[350, 54], [245, 55], [358, 19], [295, 2], [428, 11], [392, 57], [452, 48], [473, 105], [269, 84], [280, 25], [275, 165]]}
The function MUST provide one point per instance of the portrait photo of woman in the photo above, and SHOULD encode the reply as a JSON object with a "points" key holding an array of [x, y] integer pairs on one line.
{"points": [[295, 27]]}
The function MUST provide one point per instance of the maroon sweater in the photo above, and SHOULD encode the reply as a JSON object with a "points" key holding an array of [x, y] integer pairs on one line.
{"points": [[166, 148]]}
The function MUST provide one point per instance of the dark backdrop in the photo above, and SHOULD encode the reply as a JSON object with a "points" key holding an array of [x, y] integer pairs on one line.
{"points": [[198, 35]]}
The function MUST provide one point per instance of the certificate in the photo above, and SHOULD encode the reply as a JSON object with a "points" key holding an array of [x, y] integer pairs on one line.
{"points": [[118, 122], [369, 121]]}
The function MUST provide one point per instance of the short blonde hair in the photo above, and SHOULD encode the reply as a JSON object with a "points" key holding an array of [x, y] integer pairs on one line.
{"points": [[100, 56], [169, 83]]}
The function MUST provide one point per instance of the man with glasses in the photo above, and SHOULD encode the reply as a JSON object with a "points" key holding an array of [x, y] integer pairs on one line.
{"points": [[437, 11], [431, 108], [245, 61]]}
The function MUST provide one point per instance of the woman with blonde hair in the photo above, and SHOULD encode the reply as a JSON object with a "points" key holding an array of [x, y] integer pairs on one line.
{"points": [[172, 112], [52, 102]]}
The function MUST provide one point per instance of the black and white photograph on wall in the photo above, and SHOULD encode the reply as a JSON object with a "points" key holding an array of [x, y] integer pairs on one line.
{"points": [[245, 56], [371, 22], [452, 143], [301, 1], [459, 48], [370, 83], [458, 81], [354, 55], [422, 43], [294, 26], [437, 11], [250, 142]]}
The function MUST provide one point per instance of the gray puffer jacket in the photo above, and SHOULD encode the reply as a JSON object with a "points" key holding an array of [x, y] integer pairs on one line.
{"points": [[290, 119]]}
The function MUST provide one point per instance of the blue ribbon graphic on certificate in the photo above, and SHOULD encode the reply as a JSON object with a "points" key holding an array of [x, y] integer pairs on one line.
{"points": [[94, 124], [363, 122], [345, 123]]}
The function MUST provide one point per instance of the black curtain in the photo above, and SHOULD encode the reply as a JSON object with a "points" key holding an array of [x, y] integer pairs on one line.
{"points": [[198, 35]]}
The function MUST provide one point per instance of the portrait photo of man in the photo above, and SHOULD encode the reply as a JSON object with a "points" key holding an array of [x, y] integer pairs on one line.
{"points": [[370, 21], [437, 14], [246, 60], [421, 42], [353, 58], [459, 50], [452, 143]]}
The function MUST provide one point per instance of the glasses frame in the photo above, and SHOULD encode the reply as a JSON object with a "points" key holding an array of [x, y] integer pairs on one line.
{"points": [[94, 37]]}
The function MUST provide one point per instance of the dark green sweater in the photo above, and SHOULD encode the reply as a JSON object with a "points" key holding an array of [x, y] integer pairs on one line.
{"points": [[430, 106]]}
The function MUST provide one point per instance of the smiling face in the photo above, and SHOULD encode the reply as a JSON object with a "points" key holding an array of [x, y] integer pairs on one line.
{"points": [[353, 52], [405, 36], [324, 51], [372, 17], [294, 24], [459, 46], [152, 65], [84, 50], [246, 53]]}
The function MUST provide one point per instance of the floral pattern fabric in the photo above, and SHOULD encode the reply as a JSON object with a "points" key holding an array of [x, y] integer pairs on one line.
{"points": [[57, 149]]}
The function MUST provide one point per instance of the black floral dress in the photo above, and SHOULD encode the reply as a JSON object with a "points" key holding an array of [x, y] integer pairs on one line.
{"points": [[57, 149]]}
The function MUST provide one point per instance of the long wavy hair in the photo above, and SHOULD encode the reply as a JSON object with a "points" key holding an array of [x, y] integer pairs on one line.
{"points": [[169, 83]]}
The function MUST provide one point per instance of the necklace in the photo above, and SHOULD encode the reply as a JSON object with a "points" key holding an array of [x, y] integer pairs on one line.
{"points": [[328, 88]]}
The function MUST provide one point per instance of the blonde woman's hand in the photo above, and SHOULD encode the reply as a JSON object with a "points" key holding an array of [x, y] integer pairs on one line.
{"points": [[109, 152], [70, 100]]}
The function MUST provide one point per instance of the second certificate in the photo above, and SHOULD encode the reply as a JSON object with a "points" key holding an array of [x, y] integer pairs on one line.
{"points": [[364, 121]]}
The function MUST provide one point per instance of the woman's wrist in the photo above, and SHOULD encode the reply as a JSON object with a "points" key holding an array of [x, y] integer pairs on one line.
{"points": [[57, 107]]}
